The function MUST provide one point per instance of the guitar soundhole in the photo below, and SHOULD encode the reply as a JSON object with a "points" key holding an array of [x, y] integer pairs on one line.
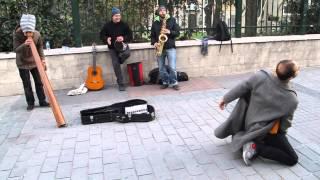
{"points": [[94, 73]]}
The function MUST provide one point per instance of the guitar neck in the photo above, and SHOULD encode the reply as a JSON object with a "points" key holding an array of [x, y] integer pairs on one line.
{"points": [[94, 54]]}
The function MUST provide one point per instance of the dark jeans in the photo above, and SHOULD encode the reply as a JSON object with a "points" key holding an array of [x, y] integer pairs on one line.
{"points": [[277, 148], [25, 77], [116, 66]]}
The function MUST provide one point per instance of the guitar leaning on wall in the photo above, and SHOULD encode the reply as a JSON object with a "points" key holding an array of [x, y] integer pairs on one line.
{"points": [[94, 79]]}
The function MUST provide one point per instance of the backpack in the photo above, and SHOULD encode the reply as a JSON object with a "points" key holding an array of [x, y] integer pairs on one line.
{"points": [[222, 30], [223, 33], [154, 76]]}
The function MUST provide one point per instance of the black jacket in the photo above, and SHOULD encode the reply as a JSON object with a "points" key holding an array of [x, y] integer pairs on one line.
{"points": [[113, 30], [174, 32]]}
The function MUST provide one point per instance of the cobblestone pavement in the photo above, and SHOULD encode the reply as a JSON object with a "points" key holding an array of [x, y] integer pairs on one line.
{"points": [[179, 144]]}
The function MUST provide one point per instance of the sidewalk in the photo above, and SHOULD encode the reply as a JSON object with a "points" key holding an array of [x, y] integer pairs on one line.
{"points": [[179, 144]]}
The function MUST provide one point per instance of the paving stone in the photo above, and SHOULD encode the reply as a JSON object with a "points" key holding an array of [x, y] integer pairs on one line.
{"points": [[83, 136], [64, 170], [50, 165], [82, 147], [95, 152], [129, 174], [26, 154], [95, 176], [32, 173], [214, 172], [69, 143], [66, 155], [180, 174], [80, 174], [47, 176], [110, 156], [95, 166], [254, 177], [125, 162], [121, 136], [175, 140], [81, 160], [145, 133], [173, 162], [147, 177], [19, 169], [142, 167], [184, 133], [123, 148], [112, 171], [95, 140], [138, 152], [134, 140], [160, 136], [287, 174]]}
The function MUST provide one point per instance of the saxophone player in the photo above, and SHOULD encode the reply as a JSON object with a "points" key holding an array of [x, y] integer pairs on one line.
{"points": [[164, 31]]}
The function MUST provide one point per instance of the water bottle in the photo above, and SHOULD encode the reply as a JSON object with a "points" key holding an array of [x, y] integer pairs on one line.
{"points": [[48, 45]]}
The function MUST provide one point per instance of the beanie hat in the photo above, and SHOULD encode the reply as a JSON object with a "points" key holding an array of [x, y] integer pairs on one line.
{"points": [[115, 11], [161, 7], [28, 23]]}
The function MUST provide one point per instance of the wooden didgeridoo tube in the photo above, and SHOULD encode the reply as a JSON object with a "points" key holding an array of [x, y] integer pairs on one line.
{"points": [[47, 87]]}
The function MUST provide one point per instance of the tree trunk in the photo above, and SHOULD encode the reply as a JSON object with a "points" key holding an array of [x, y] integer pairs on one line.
{"points": [[208, 17], [251, 18], [217, 14]]}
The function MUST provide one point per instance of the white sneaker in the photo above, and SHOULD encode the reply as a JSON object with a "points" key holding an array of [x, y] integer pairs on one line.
{"points": [[248, 151]]}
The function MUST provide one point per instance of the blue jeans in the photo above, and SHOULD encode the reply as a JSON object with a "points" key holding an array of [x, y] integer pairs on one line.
{"points": [[167, 76]]}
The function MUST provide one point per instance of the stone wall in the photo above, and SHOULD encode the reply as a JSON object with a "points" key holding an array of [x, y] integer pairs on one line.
{"points": [[67, 68]]}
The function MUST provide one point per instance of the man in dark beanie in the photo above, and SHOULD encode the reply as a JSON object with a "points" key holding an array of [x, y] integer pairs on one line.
{"points": [[171, 30], [25, 61], [116, 31], [259, 122]]}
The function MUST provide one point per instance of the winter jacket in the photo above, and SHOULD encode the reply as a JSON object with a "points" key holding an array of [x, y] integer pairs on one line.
{"points": [[171, 25], [113, 30], [24, 58]]}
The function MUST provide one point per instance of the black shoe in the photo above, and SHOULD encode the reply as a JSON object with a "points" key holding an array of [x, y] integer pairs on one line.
{"points": [[164, 86], [44, 104], [30, 107], [176, 87], [122, 88]]}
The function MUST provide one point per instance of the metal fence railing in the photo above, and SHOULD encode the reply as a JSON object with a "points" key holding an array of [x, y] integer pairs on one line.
{"points": [[78, 22]]}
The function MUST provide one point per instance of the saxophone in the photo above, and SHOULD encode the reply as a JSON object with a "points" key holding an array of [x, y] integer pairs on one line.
{"points": [[162, 38]]}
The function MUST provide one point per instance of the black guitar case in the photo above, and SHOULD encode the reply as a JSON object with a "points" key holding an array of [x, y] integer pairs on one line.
{"points": [[123, 112]]}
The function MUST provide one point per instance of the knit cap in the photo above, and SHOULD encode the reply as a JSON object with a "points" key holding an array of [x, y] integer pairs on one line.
{"points": [[115, 11], [28, 23]]}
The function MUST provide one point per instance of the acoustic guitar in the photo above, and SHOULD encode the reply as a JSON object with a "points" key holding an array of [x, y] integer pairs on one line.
{"points": [[94, 79]]}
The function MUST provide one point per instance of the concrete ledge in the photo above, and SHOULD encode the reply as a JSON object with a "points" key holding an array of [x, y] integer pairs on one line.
{"points": [[139, 46], [68, 69]]}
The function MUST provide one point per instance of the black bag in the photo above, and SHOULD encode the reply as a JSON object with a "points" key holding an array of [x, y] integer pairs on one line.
{"points": [[222, 34], [182, 76], [135, 110], [154, 76], [123, 51]]}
